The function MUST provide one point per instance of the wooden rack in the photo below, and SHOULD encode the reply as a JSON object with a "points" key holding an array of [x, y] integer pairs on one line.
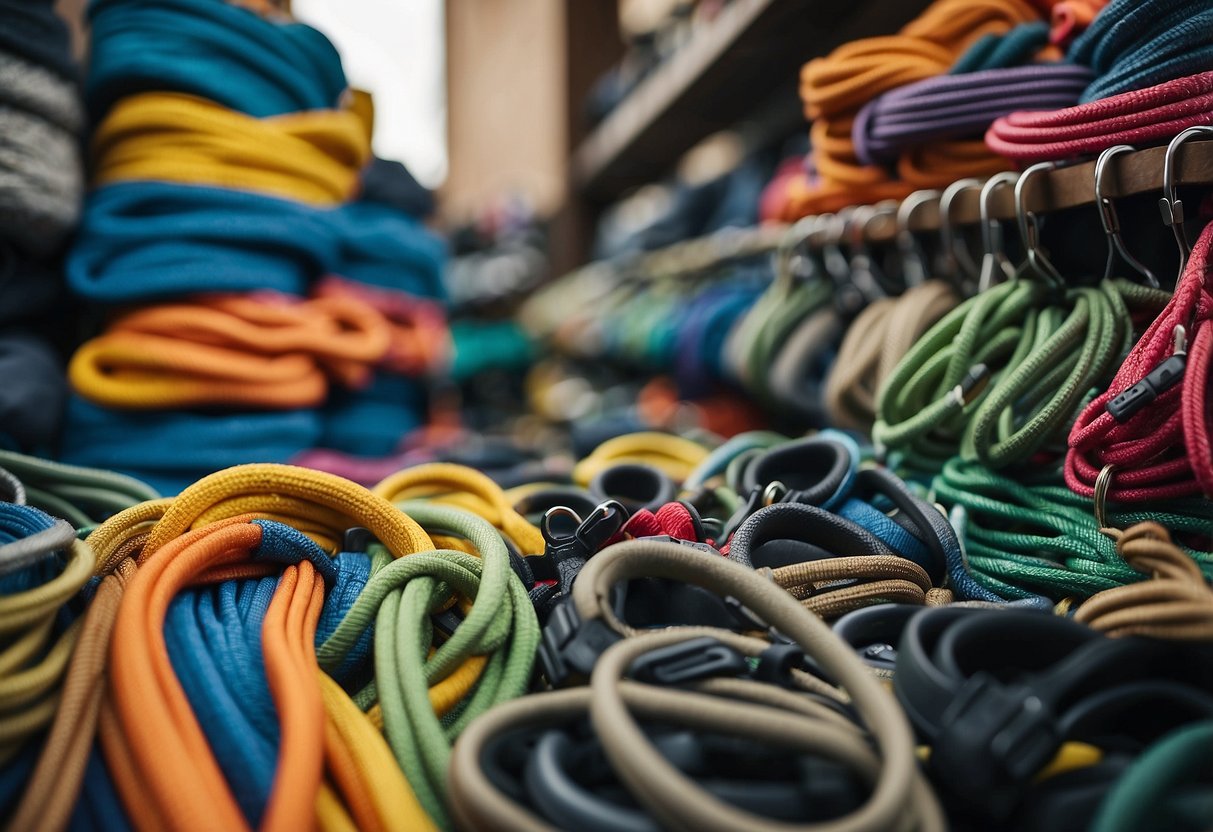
{"points": [[742, 67], [1073, 186]]}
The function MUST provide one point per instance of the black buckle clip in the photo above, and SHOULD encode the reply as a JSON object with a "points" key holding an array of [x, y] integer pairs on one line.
{"points": [[993, 738], [565, 554], [357, 539], [688, 661], [569, 647]]}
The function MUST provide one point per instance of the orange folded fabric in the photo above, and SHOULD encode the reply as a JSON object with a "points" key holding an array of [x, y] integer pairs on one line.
{"points": [[239, 350]]}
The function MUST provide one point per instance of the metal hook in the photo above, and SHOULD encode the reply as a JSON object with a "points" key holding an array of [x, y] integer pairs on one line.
{"points": [[1029, 229], [1171, 205], [1111, 222], [995, 257], [833, 259], [913, 261], [796, 235], [863, 267], [955, 258]]}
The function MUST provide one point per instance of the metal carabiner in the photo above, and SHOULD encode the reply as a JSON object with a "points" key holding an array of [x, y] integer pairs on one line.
{"points": [[1029, 229], [955, 260], [913, 260], [1111, 222], [1171, 205], [994, 259]]}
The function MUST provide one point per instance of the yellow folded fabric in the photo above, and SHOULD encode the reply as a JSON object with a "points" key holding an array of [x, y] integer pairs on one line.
{"points": [[231, 350], [313, 157]]}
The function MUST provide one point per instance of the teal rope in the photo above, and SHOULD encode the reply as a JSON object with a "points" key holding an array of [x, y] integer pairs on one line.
{"points": [[1036, 536], [1139, 799]]}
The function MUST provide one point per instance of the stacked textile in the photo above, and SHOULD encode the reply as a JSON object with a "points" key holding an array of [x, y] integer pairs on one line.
{"points": [[226, 159], [41, 180], [895, 114]]}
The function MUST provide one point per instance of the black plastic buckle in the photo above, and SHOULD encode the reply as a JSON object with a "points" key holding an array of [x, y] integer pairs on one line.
{"points": [[569, 647], [688, 661], [993, 738], [754, 501], [776, 663], [357, 539], [565, 554]]}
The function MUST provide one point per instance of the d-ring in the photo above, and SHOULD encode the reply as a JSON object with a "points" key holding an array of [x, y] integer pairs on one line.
{"points": [[1102, 483]]}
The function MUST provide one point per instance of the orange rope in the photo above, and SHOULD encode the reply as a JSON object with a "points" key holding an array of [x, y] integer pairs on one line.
{"points": [[231, 350]]}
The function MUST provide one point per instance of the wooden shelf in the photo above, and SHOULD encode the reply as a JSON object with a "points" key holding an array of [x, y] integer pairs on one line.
{"points": [[745, 62]]}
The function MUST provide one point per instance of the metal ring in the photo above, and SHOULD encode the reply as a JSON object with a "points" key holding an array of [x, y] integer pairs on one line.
{"points": [[557, 511], [1102, 483], [773, 493]]}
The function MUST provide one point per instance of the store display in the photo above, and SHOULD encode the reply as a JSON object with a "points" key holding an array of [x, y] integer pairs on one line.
{"points": [[892, 512]]}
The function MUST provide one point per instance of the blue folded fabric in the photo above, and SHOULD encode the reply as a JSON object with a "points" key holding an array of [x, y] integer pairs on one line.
{"points": [[32, 395], [211, 49], [1135, 44], [171, 450], [382, 246], [143, 241], [371, 422], [33, 30], [390, 183]]}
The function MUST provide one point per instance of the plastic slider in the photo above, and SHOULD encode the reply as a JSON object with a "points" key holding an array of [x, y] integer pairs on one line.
{"points": [[972, 385], [689, 661], [994, 738], [570, 647], [357, 539], [776, 663], [1159, 380]]}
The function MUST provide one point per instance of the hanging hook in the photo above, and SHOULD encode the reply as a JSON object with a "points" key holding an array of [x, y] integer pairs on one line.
{"points": [[913, 260], [793, 238], [865, 272], [955, 258], [995, 258], [1171, 205], [1111, 222], [1029, 229]]}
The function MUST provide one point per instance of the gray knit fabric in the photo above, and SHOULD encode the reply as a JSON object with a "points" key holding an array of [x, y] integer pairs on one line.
{"points": [[41, 171]]}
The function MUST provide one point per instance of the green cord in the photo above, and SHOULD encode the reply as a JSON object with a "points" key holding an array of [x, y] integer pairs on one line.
{"points": [[399, 598], [774, 326], [1035, 536], [1044, 359], [917, 412], [82, 496], [1139, 799]]}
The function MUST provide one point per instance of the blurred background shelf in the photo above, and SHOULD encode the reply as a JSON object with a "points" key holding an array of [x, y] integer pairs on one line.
{"points": [[739, 70]]}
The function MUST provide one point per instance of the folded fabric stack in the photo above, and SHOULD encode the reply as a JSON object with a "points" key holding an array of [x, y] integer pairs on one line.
{"points": [[895, 114], [227, 154], [41, 180], [390, 261]]}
